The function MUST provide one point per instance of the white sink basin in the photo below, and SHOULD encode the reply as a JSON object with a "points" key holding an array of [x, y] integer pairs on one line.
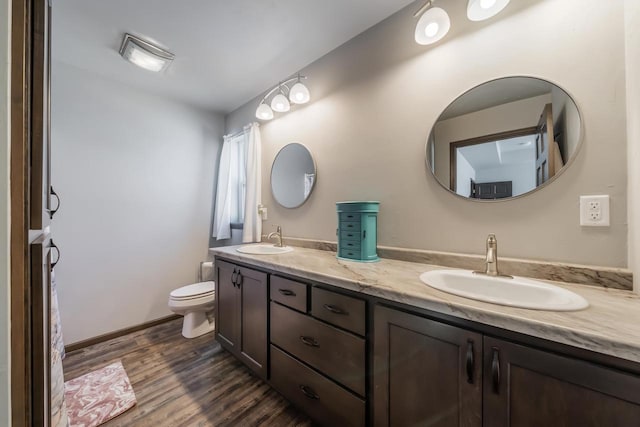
{"points": [[516, 292], [264, 249]]}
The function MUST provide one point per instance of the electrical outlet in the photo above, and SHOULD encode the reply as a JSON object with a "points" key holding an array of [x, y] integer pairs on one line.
{"points": [[594, 211]]}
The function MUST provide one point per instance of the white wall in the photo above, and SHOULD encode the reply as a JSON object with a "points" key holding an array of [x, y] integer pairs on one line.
{"points": [[135, 173], [375, 98], [5, 343], [465, 173], [632, 26]]}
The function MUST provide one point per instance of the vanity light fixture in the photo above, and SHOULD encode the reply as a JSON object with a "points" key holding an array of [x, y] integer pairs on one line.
{"points": [[433, 25], [144, 54], [285, 95], [434, 22], [479, 10]]}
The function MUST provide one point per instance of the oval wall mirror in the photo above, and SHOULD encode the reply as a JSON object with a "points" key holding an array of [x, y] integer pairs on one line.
{"points": [[293, 175], [504, 138]]}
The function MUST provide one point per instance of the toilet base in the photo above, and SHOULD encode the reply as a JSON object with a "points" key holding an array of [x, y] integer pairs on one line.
{"points": [[196, 324]]}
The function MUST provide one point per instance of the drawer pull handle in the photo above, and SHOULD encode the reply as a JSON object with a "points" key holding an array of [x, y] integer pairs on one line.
{"points": [[287, 292], [234, 278], [311, 342], [308, 391], [470, 362], [333, 309], [495, 371]]}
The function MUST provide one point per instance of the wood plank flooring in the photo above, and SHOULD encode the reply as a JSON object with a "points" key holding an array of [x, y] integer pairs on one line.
{"points": [[180, 382]]}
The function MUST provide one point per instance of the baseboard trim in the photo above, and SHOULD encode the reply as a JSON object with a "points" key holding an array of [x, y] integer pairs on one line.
{"points": [[117, 334]]}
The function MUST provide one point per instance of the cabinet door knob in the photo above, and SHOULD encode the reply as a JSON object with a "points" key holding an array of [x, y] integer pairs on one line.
{"points": [[470, 362], [495, 370], [311, 342], [308, 391], [333, 309], [234, 278], [287, 292], [239, 279], [52, 212], [53, 246]]}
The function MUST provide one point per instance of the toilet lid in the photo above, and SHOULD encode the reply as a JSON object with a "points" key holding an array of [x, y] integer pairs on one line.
{"points": [[197, 289]]}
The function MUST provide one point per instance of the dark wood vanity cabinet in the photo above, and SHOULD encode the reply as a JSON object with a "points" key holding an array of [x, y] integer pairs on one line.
{"points": [[430, 373], [351, 360], [526, 387], [318, 356], [425, 372], [241, 314]]}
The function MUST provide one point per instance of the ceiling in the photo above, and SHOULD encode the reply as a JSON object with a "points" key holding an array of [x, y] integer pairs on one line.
{"points": [[227, 51], [491, 155]]}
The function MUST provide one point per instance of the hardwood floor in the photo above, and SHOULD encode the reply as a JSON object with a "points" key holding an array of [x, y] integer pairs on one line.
{"points": [[181, 382]]}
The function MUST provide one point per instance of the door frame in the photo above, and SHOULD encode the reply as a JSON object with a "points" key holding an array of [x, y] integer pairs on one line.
{"points": [[453, 147]]}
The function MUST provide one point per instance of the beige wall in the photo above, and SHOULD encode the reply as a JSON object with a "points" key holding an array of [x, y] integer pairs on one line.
{"points": [[376, 97], [632, 25]]}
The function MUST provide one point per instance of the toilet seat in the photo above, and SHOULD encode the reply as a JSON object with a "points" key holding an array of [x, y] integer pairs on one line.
{"points": [[197, 290]]}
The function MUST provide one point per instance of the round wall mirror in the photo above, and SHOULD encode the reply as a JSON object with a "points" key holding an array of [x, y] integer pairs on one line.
{"points": [[293, 175], [504, 138]]}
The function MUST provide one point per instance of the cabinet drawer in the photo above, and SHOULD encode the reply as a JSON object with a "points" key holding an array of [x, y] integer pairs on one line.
{"points": [[350, 225], [325, 401], [349, 254], [349, 216], [351, 235], [290, 293], [352, 245], [340, 310], [338, 354]]}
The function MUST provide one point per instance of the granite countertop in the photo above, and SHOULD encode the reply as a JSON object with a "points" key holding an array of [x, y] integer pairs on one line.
{"points": [[611, 324]]}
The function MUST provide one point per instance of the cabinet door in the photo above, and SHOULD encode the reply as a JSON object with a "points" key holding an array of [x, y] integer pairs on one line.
{"points": [[526, 387], [252, 286], [425, 373], [227, 306]]}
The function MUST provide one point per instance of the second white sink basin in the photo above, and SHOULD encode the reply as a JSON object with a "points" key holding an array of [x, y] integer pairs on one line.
{"points": [[264, 249], [515, 292]]}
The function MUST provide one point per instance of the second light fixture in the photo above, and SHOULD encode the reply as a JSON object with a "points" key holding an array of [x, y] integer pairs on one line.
{"points": [[434, 22], [284, 96]]}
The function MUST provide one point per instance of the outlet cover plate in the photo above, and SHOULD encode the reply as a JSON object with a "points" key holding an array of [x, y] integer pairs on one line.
{"points": [[594, 211]]}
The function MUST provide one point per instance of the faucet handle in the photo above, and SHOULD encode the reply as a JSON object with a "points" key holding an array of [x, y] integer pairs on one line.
{"points": [[278, 229]]}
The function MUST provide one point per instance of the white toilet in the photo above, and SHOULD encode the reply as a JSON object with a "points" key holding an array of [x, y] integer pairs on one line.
{"points": [[195, 302]]}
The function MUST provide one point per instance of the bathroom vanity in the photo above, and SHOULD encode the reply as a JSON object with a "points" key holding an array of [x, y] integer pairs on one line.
{"points": [[355, 344]]}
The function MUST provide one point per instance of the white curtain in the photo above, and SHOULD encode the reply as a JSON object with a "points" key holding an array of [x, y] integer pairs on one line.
{"points": [[230, 194], [252, 229]]}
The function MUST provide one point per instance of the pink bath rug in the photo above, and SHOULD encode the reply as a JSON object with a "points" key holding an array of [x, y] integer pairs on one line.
{"points": [[98, 396]]}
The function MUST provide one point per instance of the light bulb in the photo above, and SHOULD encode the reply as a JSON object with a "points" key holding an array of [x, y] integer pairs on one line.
{"points": [[299, 94], [432, 26], [479, 10], [280, 103], [264, 112], [486, 4], [431, 29]]}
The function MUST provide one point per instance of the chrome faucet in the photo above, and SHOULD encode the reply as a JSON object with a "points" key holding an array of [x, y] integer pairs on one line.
{"points": [[491, 260], [278, 234]]}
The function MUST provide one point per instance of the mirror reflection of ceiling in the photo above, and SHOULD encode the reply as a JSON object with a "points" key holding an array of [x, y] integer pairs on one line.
{"points": [[227, 51], [496, 93], [513, 151]]}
